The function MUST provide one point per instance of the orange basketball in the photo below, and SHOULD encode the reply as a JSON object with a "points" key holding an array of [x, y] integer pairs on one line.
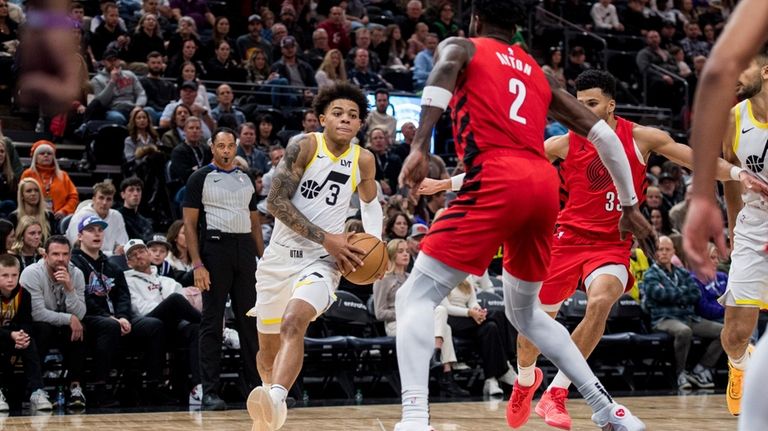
{"points": [[375, 259]]}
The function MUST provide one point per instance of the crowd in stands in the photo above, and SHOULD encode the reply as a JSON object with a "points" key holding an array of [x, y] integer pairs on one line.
{"points": [[96, 277]]}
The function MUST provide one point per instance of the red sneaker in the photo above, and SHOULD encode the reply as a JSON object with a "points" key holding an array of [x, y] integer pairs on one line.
{"points": [[551, 407], [519, 407]]}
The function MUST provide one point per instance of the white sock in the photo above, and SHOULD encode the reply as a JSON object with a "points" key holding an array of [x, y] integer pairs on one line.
{"points": [[526, 376], [415, 406], [278, 393], [560, 381], [740, 363]]}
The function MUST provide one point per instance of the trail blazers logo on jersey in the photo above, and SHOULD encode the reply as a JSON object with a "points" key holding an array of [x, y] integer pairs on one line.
{"points": [[598, 175], [310, 188]]}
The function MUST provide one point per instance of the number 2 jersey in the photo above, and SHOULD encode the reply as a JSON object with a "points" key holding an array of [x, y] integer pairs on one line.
{"points": [[592, 208], [500, 103], [323, 195]]}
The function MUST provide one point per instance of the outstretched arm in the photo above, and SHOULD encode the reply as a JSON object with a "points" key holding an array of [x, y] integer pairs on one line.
{"points": [[450, 58], [740, 41]]}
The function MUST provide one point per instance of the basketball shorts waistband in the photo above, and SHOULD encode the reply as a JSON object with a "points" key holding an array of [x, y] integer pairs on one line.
{"points": [[292, 252]]}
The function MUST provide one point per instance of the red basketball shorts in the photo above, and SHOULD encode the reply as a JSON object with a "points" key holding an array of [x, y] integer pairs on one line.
{"points": [[573, 259], [505, 200]]}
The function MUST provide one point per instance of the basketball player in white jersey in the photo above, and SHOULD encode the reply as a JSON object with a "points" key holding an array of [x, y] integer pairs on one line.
{"points": [[301, 267], [742, 38]]}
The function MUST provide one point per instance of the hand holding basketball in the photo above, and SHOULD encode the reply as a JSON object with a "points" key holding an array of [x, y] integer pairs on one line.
{"points": [[375, 259], [347, 255]]}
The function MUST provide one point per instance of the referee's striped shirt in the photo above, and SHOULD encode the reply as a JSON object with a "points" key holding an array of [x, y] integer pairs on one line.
{"points": [[225, 197]]}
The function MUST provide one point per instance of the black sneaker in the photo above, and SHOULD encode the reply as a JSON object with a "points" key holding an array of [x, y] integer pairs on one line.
{"points": [[213, 402], [449, 388], [76, 398]]}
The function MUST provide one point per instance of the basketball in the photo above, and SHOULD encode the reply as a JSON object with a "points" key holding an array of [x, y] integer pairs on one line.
{"points": [[375, 259]]}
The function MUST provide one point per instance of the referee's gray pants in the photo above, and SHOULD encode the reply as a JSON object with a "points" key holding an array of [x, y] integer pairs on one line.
{"points": [[231, 262]]}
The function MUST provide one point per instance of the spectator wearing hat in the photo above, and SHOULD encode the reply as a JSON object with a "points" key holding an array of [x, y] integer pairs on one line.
{"points": [[16, 335], [136, 225], [159, 297], [337, 33], [418, 230], [57, 293], [187, 96], [159, 249], [116, 92], [294, 72], [577, 63], [58, 191], [668, 188], [111, 242], [109, 317], [289, 18], [247, 43]]}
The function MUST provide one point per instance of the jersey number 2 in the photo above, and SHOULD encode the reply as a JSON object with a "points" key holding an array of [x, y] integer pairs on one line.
{"points": [[517, 88]]}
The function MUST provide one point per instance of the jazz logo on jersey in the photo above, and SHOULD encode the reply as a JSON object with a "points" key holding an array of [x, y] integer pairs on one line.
{"points": [[310, 188], [756, 163]]}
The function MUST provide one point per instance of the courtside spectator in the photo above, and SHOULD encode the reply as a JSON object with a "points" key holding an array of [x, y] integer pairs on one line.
{"points": [[186, 30], [363, 41], [147, 38], [28, 242], [159, 92], [114, 236], [379, 117], [331, 70], [362, 76], [337, 33], [187, 97], [316, 54], [192, 154], [253, 40], [223, 67], [136, 225], [246, 148], [175, 134], [422, 65], [142, 138], [310, 123], [225, 97], [414, 14], [293, 71], [31, 203], [116, 92], [107, 31]]}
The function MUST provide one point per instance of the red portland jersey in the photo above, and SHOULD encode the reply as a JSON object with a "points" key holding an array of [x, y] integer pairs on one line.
{"points": [[500, 103], [592, 207]]}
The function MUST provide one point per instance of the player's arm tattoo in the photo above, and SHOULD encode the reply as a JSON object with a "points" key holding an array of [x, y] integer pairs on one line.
{"points": [[284, 184]]}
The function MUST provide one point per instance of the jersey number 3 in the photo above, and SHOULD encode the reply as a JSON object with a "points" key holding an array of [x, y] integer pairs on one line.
{"points": [[517, 88]]}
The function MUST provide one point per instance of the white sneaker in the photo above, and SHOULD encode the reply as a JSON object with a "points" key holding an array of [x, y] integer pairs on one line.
{"points": [[459, 366], [39, 401], [4, 407], [491, 387], [617, 418], [231, 338], [408, 426], [266, 414], [196, 395], [509, 377]]}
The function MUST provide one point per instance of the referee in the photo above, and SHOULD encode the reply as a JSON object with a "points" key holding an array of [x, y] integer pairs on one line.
{"points": [[223, 234]]}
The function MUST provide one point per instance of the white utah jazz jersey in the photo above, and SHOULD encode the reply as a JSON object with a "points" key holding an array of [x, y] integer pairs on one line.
{"points": [[750, 144], [323, 194]]}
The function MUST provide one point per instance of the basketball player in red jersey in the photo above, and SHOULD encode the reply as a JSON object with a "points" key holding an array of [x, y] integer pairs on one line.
{"points": [[742, 38], [499, 99]]}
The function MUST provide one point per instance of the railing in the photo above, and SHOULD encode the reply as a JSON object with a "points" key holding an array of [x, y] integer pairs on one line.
{"points": [[573, 29], [656, 70]]}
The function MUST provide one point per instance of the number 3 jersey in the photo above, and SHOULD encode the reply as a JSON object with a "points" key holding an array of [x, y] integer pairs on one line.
{"points": [[500, 103], [750, 144], [592, 208], [323, 195]]}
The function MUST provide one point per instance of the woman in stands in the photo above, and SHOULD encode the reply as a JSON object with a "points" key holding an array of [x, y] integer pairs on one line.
{"points": [[29, 197], [554, 64], [331, 70], [142, 137], [59, 192], [398, 49], [187, 30], [179, 256], [220, 33], [384, 292], [258, 67], [398, 226], [172, 137], [8, 182], [468, 320], [148, 37], [223, 67], [266, 134], [27, 241], [190, 71]]}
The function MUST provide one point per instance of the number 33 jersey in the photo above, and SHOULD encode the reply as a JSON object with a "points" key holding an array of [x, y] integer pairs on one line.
{"points": [[324, 193], [500, 103], [592, 208]]}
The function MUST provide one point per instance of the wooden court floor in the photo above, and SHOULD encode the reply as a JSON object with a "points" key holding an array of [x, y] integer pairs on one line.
{"points": [[678, 413]]}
